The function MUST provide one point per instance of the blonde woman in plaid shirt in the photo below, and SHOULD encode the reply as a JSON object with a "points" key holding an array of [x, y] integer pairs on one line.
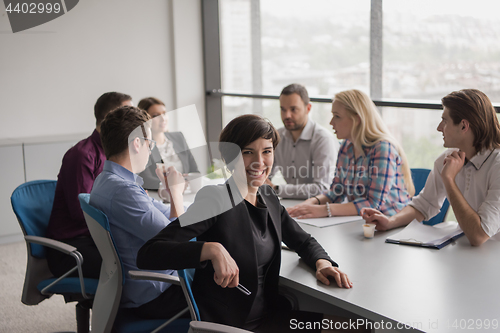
{"points": [[372, 170]]}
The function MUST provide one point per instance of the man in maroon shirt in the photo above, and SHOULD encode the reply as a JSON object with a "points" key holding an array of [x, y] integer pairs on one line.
{"points": [[80, 166]]}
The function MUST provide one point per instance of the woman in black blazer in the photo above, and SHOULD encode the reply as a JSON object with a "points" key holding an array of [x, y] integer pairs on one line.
{"points": [[239, 228], [171, 147]]}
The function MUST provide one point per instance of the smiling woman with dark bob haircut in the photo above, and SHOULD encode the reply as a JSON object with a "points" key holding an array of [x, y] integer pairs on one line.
{"points": [[239, 227]]}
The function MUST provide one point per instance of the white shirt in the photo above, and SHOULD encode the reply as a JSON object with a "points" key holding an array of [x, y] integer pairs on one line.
{"points": [[169, 156], [307, 165], [479, 182]]}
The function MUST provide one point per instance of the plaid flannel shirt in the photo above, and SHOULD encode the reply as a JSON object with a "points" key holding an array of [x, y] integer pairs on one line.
{"points": [[374, 180]]}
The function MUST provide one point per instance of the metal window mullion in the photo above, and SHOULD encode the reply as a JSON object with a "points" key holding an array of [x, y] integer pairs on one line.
{"points": [[256, 54], [212, 68], [376, 49]]}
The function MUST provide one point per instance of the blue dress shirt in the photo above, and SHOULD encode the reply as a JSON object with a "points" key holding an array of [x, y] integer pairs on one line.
{"points": [[134, 218]]}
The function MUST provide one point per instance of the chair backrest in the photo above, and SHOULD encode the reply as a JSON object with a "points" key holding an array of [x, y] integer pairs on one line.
{"points": [[32, 203], [111, 279], [186, 277], [419, 177]]}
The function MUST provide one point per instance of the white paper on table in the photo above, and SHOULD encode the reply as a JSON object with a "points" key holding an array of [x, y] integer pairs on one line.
{"points": [[322, 222], [419, 233]]}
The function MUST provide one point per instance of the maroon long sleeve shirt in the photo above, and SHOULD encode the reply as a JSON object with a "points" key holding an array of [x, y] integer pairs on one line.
{"points": [[80, 166]]}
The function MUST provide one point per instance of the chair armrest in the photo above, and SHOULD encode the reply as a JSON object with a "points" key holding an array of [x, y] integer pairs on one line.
{"points": [[63, 247], [145, 275], [206, 327]]}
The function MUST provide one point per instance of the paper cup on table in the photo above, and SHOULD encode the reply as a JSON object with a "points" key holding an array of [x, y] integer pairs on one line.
{"points": [[369, 230], [162, 193], [195, 181]]}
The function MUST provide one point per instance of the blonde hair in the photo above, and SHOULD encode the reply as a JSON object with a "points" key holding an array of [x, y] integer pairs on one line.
{"points": [[370, 129]]}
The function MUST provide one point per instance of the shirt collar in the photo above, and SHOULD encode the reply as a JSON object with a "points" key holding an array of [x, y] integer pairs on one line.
{"points": [[96, 137], [307, 132], [350, 148], [481, 157], [122, 172]]}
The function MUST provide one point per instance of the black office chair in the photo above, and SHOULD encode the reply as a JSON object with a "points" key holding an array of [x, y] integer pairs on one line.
{"points": [[32, 203]]}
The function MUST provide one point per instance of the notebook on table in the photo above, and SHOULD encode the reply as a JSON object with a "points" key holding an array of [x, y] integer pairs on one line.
{"points": [[418, 234]]}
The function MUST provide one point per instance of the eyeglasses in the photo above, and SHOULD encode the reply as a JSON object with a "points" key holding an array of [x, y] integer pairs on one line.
{"points": [[151, 143]]}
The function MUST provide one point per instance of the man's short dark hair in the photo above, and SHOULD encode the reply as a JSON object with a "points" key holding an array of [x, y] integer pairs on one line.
{"points": [[298, 89], [108, 102], [117, 127], [475, 107]]}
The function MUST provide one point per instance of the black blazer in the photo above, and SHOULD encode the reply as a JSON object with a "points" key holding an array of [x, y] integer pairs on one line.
{"points": [[151, 181], [171, 249]]}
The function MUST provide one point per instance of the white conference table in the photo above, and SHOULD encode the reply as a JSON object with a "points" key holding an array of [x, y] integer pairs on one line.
{"points": [[447, 290]]}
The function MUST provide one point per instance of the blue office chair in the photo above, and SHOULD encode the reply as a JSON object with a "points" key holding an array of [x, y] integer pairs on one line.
{"points": [[185, 277], [106, 314], [32, 203], [419, 177]]}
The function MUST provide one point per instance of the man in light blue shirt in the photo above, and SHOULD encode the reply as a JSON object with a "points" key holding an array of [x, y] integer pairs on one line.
{"points": [[133, 216]]}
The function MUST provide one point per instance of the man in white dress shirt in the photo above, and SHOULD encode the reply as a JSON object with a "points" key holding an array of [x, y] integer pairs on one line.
{"points": [[468, 173], [307, 152]]}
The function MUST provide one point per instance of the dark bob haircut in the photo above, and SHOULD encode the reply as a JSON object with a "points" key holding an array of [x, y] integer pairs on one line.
{"points": [[242, 131]]}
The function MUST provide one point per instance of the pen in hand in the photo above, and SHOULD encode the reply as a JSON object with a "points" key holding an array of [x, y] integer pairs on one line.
{"points": [[243, 289]]}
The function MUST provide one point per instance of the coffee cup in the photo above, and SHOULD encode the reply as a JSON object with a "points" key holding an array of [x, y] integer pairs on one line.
{"points": [[369, 230], [163, 193]]}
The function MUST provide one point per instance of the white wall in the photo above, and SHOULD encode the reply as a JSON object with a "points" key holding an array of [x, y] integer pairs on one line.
{"points": [[188, 51], [51, 75]]}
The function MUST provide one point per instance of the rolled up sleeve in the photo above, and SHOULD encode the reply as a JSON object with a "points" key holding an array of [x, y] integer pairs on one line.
{"points": [[489, 211]]}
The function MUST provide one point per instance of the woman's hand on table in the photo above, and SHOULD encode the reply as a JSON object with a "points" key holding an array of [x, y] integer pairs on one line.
{"points": [[325, 270], [310, 201]]}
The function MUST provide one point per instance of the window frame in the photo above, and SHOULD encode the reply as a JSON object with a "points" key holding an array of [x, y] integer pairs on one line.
{"points": [[212, 69]]}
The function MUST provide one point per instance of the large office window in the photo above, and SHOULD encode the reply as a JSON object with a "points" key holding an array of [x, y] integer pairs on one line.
{"points": [[434, 47], [266, 45], [427, 49], [430, 49]]}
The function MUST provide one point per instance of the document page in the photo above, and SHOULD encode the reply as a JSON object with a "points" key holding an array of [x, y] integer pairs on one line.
{"points": [[322, 222], [419, 233]]}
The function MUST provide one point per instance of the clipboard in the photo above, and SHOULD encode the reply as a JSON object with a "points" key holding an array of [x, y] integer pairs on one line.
{"points": [[434, 237]]}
